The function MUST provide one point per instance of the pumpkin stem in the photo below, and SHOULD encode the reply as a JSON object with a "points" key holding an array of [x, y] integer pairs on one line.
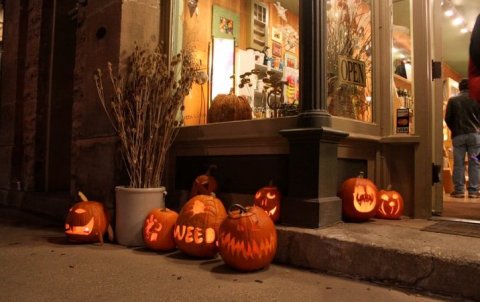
{"points": [[389, 187], [270, 183], [210, 169], [361, 175], [82, 196], [239, 207]]}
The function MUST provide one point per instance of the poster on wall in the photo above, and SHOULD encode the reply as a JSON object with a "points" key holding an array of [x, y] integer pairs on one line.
{"points": [[225, 23], [222, 70]]}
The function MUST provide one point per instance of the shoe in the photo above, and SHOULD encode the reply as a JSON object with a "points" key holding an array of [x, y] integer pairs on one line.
{"points": [[457, 194], [474, 195]]}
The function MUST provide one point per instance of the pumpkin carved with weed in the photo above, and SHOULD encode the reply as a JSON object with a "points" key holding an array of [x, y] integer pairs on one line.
{"points": [[196, 230]]}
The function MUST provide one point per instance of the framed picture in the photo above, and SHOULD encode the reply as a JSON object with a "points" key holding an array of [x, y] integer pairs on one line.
{"points": [[225, 23], [276, 49], [277, 35], [290, 60]]}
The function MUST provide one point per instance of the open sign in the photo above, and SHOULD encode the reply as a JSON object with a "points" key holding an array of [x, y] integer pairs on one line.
{"points": [[351, 71]]}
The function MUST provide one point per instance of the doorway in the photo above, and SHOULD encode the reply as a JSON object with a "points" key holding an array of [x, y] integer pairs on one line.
{"points": [[456, 23]]}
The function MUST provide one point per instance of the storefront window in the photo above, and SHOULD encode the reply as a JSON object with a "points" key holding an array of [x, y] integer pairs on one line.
{"points": [[403, 104], [349, 59], [249, 55]]}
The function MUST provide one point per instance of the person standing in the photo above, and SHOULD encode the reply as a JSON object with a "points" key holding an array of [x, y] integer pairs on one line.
{"points": [[462, 116], [474, 62]]}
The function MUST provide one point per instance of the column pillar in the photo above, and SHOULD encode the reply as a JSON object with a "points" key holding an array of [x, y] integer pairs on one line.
{"points": [[311, 200]]}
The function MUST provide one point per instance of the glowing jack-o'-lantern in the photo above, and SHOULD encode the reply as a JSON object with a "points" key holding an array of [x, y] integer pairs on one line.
{"points": [[359, 198], [268, 198], [204, 184], [196, 230], [248, 238], [87, 221], [390, 204], [158, 229]]}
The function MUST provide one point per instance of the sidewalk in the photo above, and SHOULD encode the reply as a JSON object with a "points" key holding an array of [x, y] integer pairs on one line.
{"points": [[395, 253], [392, 252]]}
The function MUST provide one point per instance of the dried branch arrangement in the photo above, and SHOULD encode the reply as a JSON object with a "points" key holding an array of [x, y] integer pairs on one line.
{"points": [[144, 109]]}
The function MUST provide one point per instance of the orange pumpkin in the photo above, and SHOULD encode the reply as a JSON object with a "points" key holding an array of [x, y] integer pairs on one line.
{"points": [[248, 239], [86, 221], [359, 198], [390, 204], [158, 229], [268, 198], [229, 107], [196, 230], [204, 184]]}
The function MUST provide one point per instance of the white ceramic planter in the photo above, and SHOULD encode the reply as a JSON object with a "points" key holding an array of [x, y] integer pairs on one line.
{"points": [[132, 207]]}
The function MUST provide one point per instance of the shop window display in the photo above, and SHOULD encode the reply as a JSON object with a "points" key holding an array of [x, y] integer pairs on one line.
{"points": [[264, 65], [349, 59]]}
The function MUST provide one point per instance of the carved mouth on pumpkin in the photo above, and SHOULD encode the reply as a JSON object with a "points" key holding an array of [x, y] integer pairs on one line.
{"points": [[394, 209], [365, 204], [80, 229], [272, 211], [249, 250]]}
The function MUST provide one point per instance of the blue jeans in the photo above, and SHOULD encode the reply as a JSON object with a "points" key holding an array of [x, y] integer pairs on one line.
{"points": [[466, 144]]}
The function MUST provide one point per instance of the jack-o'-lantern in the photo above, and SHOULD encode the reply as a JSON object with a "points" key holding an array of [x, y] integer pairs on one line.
{"points": [[158, 229], [196, 230], [87, 221], [390, 204], [359, 198], [268, 198], [204, 184], [248, 238]]}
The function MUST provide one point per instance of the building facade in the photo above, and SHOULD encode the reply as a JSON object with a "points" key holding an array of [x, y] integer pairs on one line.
{"points": [[55, 139]]}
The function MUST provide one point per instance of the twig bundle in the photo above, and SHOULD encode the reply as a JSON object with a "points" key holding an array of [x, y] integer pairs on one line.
{"points": [[144, 109]]}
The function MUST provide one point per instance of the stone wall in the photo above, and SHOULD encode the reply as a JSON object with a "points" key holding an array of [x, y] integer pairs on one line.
{"points": [[107, 32]]}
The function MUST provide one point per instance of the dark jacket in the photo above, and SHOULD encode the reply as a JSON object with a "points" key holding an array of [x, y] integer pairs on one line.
{"points": [[462, 114]]}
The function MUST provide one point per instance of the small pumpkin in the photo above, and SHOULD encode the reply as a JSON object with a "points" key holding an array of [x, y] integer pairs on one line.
{"points": [[86, 221], [269, 198], [247, 238], [359, 198], [229, 107], [196, 230], [390, 204], [204, 184], [158, 229]]}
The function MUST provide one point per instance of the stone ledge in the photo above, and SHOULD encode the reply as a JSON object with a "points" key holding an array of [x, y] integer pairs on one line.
{"points": [[389, 253]]}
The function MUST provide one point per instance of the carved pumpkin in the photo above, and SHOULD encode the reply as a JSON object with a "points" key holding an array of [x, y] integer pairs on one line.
{"points": [[248, 239], [268, 198], [204, 184], [359, 198], [390, 204], [87, 221], [158, 229], [196, 230], [229, 107]]}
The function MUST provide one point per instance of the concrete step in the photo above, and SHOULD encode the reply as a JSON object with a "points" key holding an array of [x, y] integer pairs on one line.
{"points": [[391, 252]]}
